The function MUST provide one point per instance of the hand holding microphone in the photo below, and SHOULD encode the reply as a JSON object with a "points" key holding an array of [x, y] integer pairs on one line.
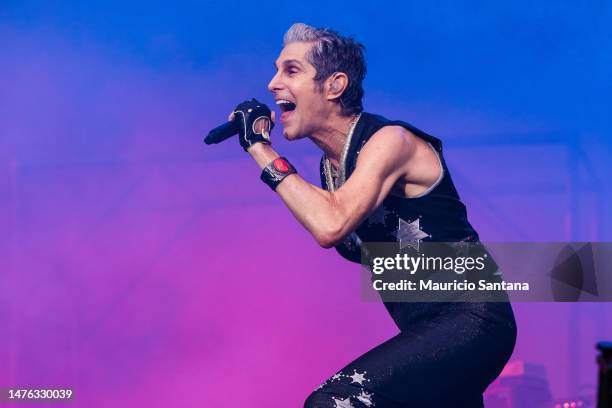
{"points": [[253, 122]]}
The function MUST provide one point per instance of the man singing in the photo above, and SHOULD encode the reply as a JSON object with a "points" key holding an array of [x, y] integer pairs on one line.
{"points": [[383, 181]]}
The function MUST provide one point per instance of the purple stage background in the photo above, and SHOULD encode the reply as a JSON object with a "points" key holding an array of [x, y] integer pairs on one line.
{"points": [[142, 268]]}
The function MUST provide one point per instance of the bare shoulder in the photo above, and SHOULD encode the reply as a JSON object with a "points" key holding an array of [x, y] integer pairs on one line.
{"points": [[394, 143], [394, 133]]}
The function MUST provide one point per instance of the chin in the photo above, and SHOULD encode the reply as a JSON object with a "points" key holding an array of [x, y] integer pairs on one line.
{"points": [[290, 135]]}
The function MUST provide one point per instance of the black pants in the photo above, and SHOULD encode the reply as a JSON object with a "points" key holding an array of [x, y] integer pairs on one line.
{"points": [[445, 356]]}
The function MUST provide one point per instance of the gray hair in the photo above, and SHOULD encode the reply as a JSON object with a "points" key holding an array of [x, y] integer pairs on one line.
{"points": [[332, 53]]}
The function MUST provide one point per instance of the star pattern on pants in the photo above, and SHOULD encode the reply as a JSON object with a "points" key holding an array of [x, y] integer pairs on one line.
{"points": [[365, 398], [344, 403], [358, 378]]}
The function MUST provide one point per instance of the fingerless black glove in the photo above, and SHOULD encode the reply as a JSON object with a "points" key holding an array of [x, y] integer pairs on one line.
{"points": [[255, 123]]}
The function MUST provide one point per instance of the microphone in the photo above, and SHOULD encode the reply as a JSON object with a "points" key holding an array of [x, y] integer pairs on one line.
{"points": [[220, 133]]}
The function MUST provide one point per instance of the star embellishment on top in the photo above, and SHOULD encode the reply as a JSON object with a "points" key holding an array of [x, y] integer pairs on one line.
{"points": [[410, 233]]}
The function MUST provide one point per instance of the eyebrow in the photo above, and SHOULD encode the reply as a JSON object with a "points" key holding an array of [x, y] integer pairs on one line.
{"points": [[289, 61]]}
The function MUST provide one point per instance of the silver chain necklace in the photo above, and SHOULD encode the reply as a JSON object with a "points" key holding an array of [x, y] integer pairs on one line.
{"points": [[327, 168]]}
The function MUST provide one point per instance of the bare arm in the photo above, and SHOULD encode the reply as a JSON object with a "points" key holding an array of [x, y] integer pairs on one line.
{"points": [[331, 216]]}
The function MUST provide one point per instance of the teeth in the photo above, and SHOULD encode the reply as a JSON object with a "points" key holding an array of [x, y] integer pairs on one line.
{"points": [[282, 101]]}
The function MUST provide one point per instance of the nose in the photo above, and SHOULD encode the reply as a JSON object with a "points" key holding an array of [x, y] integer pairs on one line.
{"points": [[275, 84]]}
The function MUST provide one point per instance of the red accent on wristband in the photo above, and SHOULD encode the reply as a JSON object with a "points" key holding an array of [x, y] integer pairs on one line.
{"points": [[281, 165]]}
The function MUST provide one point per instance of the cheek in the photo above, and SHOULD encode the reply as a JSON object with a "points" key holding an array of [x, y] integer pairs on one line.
{"points": [[306, 103], [305, 92]]}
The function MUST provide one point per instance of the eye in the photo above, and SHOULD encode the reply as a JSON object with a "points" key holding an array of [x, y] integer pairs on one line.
{"points": [[293, 70]]}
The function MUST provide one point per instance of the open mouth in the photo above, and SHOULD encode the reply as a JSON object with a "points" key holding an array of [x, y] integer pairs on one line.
{"points": [[285, 105]]}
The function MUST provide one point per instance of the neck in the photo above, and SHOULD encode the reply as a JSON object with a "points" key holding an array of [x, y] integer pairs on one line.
{"points": [[331, 137]]}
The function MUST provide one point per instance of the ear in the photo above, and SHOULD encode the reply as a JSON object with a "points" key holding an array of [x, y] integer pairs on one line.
{"points": [[337, 84]]}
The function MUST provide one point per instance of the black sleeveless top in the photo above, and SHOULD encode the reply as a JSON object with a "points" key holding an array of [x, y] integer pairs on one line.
{"points": [[437, 215]]}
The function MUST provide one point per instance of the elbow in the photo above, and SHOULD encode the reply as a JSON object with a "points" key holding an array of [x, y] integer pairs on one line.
{"points": [[332, 228], [326, 242], [329, 237]]}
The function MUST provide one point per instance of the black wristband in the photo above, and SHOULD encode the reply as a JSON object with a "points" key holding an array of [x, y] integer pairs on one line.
{"points": [[276, 172]]}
